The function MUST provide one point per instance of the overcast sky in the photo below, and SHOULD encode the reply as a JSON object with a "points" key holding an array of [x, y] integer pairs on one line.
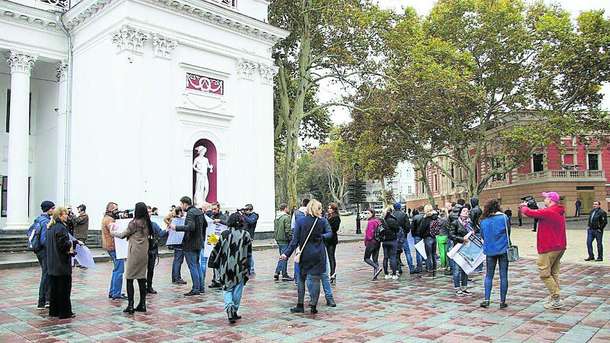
{"points": [[328, 92]]}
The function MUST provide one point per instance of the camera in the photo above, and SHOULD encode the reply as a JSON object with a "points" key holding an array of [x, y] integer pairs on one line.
{"points": [[531, 202], [125, 214]]}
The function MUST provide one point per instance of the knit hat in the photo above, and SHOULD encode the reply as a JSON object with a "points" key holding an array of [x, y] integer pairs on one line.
{"points": [[554, 196], [46, 205], [397, 206]]}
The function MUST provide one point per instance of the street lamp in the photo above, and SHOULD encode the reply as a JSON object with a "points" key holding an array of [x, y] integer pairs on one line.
{"points": [[358, 200]]}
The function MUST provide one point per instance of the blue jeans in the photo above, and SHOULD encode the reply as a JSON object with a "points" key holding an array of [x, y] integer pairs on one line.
{"points": [[328, 291], [430, 244], [389, 254], [297, 273], [177, 264], [116, 282], [419, 257], [407, 249], [313, 285], [460, 278], [502, 261], [282, 266], [192, 261], [596, 235], [203, 267], [43, 288], [232, 297], [251, 263]]}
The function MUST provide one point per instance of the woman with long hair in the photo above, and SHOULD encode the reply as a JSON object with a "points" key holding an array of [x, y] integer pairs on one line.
{"points": [[494, 229], [457, 233], [233, 251], [308, 235], [430, 216], [137, 257], [371, 245], [331, 244], [59, 251], [390, 243]]}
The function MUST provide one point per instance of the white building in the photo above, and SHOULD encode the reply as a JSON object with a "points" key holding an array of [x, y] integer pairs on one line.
{"points": [[106, 100]]}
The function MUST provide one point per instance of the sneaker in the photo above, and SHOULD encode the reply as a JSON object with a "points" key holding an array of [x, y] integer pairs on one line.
{"points": [[553, 305], [388, 276], [40, 307], [503, 305], [466, 292], [485, 303], [394, 277], [459, 293], [287, 278], [276, 277]]}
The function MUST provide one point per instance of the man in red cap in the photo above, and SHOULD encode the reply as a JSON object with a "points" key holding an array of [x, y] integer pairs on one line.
{"points": [[551, 243]]}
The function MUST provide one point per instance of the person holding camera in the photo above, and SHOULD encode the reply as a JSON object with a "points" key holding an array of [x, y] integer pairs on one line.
{"points": [[250, 220], [116, 281], [81, 224], [551, 243], [598, 220]]}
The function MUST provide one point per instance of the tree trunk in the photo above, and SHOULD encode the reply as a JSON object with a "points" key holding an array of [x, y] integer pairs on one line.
{"points": [[422, 167]]}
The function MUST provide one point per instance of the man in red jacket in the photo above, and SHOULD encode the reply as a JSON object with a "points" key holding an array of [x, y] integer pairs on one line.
{"points": [[551, 243]]}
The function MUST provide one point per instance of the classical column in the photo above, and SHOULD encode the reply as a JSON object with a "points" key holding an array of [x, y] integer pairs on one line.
{"points": [[62, 111], [18, 140]]}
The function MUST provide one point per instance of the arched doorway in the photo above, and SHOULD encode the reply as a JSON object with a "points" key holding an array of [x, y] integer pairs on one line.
{"points": [[212, 158]]}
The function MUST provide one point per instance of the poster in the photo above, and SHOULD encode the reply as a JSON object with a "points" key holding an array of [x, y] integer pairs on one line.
{"points": [[470, 255], [84, 256], [212, 229], [175, 237], [421, 248], [121, 247]]}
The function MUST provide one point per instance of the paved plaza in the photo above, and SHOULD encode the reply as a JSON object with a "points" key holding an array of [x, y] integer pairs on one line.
{"points": [[409, 310]]}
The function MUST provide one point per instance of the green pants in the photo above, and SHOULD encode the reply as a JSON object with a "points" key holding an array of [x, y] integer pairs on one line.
{"points": [[441, 247]]}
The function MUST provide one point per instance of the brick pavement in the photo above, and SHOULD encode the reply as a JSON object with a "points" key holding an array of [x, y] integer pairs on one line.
{"points": [[409, 310]]}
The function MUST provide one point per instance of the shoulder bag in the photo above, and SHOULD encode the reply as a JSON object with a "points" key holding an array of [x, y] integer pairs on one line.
{"points": [[513, 250], [299, 250]]}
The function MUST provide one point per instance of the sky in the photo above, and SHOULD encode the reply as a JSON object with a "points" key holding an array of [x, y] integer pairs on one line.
{"points": [[423, 7]]}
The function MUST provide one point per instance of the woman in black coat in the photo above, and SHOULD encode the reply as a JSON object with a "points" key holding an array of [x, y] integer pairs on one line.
{"points": [[59, 251], [331, 244]]}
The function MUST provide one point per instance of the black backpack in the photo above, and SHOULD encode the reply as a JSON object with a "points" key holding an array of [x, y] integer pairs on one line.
{"points": [[381, 230]]}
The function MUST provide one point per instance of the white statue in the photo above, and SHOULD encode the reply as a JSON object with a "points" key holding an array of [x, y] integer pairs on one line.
{"points": [[202, 183]]}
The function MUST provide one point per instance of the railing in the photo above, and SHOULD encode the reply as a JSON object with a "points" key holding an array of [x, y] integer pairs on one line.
{"points": [[562, 174]]}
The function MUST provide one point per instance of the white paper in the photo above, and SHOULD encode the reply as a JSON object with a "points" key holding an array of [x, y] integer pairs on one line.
{"points": [[84, 256], [121, 247], [473, 250], [420, 247], [174, 237]]}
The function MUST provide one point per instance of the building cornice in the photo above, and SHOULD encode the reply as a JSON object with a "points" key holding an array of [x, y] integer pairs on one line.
{"points": [[201, 10], [34, 17]]}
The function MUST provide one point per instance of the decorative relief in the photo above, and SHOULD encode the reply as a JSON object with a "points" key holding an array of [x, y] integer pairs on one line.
{"points": [[130, 39], [20, 62], [246, 69], [62, 68], [63, 4], [163, 46], [204, 84], [267, 73]]}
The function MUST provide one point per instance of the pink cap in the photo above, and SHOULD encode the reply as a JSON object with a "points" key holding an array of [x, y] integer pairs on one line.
{"points": [[554, 196]]}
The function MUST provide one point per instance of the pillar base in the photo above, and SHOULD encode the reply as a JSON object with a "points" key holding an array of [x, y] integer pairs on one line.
{"points": [[16, 226]]}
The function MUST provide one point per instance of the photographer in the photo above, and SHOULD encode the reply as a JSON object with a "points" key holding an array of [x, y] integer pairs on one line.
{"points": [[551, 242], [81, 224], [595, 231], [250, 219], [116, 283]]}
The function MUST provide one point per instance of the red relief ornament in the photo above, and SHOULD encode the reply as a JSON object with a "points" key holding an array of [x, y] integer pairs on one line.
{"points": [[205, 84]]}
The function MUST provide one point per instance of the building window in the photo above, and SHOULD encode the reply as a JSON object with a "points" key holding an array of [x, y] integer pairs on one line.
{"points": [[593, 161], [8, 112], [538, 162], [436, 182], [3, 196]]}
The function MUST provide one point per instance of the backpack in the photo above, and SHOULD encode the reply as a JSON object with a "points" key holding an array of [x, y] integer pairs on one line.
{"points": [[380, 230], [34, 236]]}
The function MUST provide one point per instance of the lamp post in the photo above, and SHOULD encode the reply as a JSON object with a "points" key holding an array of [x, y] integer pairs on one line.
{"points": [[358, 200]]}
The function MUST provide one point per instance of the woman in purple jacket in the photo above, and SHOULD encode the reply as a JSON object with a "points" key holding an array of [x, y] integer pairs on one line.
{"points": [[371, 245]]}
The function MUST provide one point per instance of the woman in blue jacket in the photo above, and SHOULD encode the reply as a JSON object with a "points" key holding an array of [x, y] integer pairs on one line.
{"points": [[495, 246], [313, 253]]}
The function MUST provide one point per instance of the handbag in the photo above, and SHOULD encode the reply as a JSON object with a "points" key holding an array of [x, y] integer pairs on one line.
{"points": [[513, 250], [299, 250]]}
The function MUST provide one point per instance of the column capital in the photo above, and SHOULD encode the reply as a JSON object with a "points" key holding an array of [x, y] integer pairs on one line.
{"points": [[20, 62], [267, 73], [130, 39], [62, 68], [163, 46], [246, 69]]}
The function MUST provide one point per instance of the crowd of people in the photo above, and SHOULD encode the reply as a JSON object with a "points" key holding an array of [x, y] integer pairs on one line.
{"points": [[310, 235]]}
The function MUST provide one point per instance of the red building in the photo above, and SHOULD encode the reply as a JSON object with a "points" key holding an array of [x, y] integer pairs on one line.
{"points": [[574, 170]]}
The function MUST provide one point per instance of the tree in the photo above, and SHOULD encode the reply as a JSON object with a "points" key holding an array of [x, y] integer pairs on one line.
{"points": [[329, 40]]}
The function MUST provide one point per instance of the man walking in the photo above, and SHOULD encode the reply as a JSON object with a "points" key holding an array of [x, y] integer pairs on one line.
{"points": [[578, 206], [282, 233], [194, 224], [38, 231], [595, 231], [551, 243], [116, 281], [250, 221]]}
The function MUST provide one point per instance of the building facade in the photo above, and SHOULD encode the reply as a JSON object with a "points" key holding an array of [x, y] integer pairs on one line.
{"points": [[575, 171], [112, 100]]}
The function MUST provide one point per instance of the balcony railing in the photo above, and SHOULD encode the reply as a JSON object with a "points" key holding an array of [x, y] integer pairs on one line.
{"points": [[562, 174]]}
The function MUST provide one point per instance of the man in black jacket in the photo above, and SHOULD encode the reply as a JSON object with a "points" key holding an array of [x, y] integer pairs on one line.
{"points": [[475, 212], [416, 222], [595, 231], [403, 222], [194, 225]]}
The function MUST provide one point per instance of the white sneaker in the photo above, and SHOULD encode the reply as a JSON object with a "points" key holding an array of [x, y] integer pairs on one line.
{"points": [[459, 293], [388, 276], [394, 277], [553, 305], [466, 292]]}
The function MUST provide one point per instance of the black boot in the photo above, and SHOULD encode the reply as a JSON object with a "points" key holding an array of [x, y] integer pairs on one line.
{"points": [[129, 308], [298, 309], [313, 308], [235, 315], [142, 305], [230, 316]]}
